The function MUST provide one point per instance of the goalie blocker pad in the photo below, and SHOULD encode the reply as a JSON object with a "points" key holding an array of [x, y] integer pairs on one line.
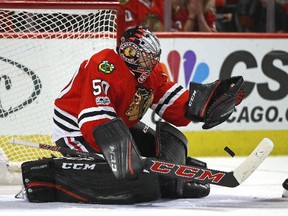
{"points": [[214, 103], [82, 180]]}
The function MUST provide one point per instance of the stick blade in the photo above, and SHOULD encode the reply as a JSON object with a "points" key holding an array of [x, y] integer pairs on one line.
{"points": [[260, 153]]}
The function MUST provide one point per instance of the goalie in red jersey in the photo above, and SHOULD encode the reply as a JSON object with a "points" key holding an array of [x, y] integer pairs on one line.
{"points": [[100, 111]]}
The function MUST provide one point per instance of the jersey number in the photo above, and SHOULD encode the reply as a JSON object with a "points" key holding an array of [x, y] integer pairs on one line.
{"points": [[100, 86]]}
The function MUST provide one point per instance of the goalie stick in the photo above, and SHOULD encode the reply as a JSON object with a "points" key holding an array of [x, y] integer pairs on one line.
{"points": [[201, 175]]}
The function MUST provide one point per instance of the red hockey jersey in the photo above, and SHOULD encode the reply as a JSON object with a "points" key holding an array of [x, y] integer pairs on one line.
{"points": [[104, 88]]}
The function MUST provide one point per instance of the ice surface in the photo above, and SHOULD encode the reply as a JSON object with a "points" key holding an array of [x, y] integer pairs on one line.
{"points": [[259, 195]]}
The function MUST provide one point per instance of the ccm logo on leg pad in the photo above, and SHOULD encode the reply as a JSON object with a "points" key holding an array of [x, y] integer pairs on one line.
{"points": [[78, 166]]}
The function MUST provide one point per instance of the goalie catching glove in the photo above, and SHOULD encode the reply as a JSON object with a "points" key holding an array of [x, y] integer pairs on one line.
{"points": [[214, 103]]}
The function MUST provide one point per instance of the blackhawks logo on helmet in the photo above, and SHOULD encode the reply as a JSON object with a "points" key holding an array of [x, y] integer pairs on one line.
{"points": [[106, 67]]}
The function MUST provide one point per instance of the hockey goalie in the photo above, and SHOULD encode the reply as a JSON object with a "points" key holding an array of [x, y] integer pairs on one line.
{"points": [[100, 111]]}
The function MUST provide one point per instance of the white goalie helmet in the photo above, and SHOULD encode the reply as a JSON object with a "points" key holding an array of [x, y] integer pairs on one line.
{"points": [[140, 49]]}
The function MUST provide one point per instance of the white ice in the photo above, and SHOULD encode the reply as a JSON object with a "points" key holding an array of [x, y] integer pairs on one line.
{"points": [[259, 195]]}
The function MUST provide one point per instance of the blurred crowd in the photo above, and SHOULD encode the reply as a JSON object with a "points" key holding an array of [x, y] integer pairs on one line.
{"points": [[208, 15], [168, 15]]}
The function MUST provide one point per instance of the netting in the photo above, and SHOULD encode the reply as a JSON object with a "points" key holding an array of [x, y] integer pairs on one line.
{"points": [[39, 52]]}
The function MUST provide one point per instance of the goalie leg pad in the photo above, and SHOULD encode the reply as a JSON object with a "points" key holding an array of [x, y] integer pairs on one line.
{"points": [[194, 189], [144, 138], [172, 147], [38, 180], [118, 148], [80, 180]]}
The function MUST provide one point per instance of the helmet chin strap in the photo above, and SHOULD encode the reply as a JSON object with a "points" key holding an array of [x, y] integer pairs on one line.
{"points": [[140, 76]]}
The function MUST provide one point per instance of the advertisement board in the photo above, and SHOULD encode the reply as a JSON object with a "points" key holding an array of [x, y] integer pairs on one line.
{"points": [[262, 61]]}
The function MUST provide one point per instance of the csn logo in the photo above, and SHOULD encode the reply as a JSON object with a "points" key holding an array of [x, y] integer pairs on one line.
{"points": [[196, 71], [193, 71], [274, 72], [266, 66], [199, 71]]}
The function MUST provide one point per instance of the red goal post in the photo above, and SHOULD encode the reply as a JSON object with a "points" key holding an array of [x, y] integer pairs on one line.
{"points": [[42, 43]]}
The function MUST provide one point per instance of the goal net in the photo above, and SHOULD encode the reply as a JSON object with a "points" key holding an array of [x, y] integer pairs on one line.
{"points": [[42, 44]]}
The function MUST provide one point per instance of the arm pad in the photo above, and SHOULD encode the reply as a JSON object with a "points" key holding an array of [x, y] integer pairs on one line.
{"points": [[213, 103]]}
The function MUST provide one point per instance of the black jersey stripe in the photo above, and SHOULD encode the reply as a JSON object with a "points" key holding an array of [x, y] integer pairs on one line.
{"points": [[95, 113], [63, 127], [65, 118], [167, 100]]}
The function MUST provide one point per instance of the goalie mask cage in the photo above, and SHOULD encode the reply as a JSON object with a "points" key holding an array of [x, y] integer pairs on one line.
{"points": [[42, 44]]}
